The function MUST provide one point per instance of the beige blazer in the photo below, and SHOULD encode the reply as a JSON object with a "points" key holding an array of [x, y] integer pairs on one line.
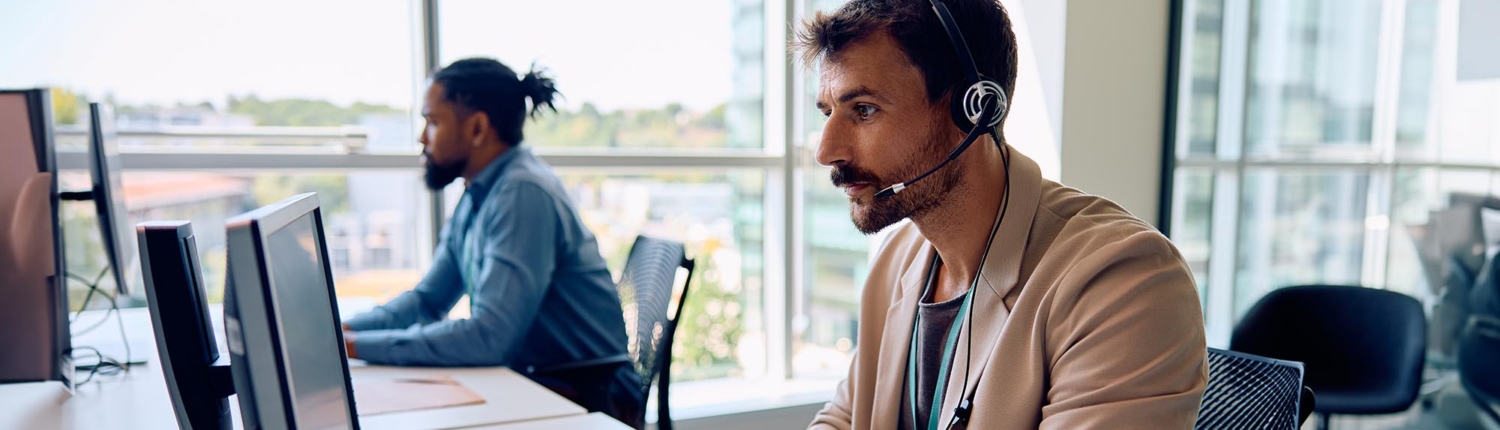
{"points": [[1086, 317]]}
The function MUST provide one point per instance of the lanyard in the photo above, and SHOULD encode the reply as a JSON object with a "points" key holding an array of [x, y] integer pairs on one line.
{"points": [[468, 247], [948, 351]]}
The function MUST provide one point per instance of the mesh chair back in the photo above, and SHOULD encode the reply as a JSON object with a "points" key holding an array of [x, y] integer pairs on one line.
{"points": [[646, 289], [1250, 392]]}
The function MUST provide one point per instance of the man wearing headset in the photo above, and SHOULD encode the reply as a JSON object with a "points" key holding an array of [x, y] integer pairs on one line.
{"points": [[1008, 301]]}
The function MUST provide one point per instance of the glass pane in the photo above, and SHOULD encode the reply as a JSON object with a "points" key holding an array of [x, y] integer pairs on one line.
{"points": [[1192, 222], [809, 119], [170, 66], [1299, 227], [1412, 263], [1418, 60], [1312, 78], [632, 74], [1198, 108], [374, 222], [836, 261], [719, 216]]}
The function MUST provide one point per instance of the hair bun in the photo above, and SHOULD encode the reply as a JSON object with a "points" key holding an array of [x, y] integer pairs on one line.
{"points": [[540, 89]]}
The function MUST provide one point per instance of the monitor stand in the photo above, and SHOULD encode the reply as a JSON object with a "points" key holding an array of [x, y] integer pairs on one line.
{"points": [[221, 386]]}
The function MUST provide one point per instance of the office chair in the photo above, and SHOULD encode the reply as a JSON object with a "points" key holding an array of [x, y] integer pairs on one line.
{"points": [[1478, 353], [646, 292], [646, 289], [1250, 392], [1362, 349]]}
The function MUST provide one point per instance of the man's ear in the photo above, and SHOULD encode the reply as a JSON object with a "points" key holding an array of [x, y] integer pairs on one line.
{"points": [[476, 128]]}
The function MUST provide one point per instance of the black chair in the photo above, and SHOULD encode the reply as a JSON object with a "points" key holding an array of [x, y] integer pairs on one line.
{"points": [[1362, 348], [646, 290], [1479, 363], [1249, 392]]}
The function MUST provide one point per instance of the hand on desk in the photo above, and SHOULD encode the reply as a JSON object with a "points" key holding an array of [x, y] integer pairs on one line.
{"points": [[349, 343]]}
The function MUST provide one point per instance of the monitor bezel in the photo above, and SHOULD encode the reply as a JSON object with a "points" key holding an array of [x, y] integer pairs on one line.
{"points": [[260, 224]]}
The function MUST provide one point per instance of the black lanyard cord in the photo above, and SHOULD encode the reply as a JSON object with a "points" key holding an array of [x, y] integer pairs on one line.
{"points": [[966, 405]]}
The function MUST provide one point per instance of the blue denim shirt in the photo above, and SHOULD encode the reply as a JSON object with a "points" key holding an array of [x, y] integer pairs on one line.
{"points": [[540, 293]]}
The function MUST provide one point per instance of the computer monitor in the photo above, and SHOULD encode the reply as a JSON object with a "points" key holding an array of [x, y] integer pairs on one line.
{"points": [[109, 198], [198, 378], [282, 323], [34, 337]]}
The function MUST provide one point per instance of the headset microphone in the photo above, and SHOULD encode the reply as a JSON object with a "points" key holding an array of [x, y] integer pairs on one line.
{"points": [[969, 140]]}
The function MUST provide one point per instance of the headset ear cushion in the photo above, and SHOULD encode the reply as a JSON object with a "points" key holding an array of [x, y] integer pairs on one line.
{"points": [[966, 106], [956, 106]]}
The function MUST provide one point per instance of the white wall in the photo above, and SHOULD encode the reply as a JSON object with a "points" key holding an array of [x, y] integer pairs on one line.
{"points": [[1114, 86], [1035, 120]]}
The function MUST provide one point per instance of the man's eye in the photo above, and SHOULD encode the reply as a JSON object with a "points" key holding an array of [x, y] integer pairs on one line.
{"points": [[864, 111]]}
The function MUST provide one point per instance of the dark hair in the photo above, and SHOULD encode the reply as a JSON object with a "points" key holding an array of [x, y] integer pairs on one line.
{"points": [[915, 27], [486, 85]]}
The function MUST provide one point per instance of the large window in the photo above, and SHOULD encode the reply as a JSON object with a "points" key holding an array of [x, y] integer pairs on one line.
{"points": [[225, 106], [1334, 142]]}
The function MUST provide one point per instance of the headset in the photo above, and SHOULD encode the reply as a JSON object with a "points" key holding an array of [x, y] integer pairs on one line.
{"points": [[979, 110]]}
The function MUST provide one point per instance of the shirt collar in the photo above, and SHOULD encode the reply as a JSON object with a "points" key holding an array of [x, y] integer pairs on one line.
{"points": [[487, 177]]}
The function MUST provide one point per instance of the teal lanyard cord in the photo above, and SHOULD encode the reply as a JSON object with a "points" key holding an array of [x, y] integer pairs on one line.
{"points": [[948, 351], [962, 413], [468, 248]]}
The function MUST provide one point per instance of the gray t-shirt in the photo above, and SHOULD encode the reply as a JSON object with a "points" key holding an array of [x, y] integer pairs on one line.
{"points": [[933, 323]]}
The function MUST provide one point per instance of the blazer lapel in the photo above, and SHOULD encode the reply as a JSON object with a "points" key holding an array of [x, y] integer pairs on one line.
{"points": [[891, 384], [1001, 276]]}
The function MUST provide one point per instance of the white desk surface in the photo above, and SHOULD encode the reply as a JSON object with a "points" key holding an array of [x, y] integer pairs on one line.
{"points": [[139, 399], [594, 421]]}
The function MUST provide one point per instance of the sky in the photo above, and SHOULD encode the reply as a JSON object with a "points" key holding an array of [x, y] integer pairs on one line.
{"points": [[615, 54]]}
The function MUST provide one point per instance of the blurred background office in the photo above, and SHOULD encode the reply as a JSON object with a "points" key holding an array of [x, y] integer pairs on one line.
{"points": [[1277, 142]]}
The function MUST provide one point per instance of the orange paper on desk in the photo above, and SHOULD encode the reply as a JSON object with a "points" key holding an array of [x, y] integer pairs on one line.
{"points": [[383, 396]]}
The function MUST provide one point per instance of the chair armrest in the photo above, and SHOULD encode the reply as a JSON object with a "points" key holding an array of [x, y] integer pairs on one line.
{"points": [[1305, 406]]}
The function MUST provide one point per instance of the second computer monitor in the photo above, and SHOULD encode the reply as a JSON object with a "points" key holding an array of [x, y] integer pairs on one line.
{"points": [[282, 323], [109, 196]]}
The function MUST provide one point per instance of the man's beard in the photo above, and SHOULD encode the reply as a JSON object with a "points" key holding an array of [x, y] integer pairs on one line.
{"points": [[880, 213], [438, 175]]}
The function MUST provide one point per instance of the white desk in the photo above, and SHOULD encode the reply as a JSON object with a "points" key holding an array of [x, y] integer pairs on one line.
{"points": [[139, 399], [594, 421]]}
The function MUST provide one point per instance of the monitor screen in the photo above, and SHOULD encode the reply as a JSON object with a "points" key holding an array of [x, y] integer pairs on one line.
{"points": [[109, 196], [308, 327]]}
